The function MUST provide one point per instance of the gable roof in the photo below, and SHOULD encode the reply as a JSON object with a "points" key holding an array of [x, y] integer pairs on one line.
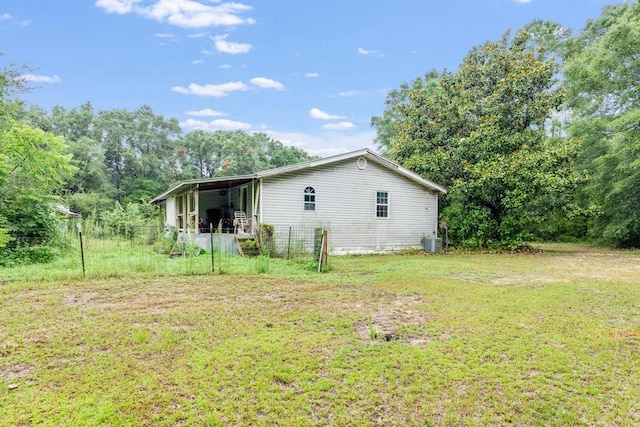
{"points": [[230, 181]]}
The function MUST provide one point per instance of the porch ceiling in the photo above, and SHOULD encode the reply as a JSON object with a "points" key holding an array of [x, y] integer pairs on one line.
{"points": [[222, 185], [203, 185]]}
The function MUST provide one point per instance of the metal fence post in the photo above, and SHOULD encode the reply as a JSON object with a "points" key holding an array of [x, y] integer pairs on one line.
{"points": [[213, 264], [84, 273]]}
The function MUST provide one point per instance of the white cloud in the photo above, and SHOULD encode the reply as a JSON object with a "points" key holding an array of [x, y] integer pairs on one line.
{"points": [[362, 51], [321, 115], [312, 75], [266, 83], [219, 124], [9, 17], [522, 1], [224, 66], [223, 46], [361, 93], [165, 35], [348, 94], [120, 7], [40, 79], [197, 62], [207, 112], [211, 90], [183, 13], [339, 126]]}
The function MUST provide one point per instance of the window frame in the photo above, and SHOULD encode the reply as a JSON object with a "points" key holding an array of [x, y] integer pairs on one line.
{"points": [[382, 205], [309, 199]]}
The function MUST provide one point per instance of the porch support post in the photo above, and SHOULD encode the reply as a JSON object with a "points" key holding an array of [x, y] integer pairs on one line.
{"points": [[255, 198], [196, 224]]}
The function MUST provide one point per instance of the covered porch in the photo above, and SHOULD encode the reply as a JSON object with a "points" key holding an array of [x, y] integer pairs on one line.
{"points": [[222, 205]]}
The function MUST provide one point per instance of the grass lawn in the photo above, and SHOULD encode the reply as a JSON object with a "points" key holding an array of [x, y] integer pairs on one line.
{"points": [[548, 338]]}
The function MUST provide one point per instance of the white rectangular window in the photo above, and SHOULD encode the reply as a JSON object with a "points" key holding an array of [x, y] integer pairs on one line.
{"points": [[382, 204]]}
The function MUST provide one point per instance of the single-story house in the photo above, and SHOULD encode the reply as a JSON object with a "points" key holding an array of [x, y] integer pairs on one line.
{"points": [[366, 203]]}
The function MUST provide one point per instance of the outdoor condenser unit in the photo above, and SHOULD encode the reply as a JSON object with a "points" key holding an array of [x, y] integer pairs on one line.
{"points": [[432, 245]]}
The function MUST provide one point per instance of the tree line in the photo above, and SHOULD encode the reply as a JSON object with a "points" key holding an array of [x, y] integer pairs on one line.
{"points": [[536, 135], [131, 156]]}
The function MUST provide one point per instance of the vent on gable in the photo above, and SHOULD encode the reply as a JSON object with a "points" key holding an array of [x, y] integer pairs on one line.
{"points": [[361, 163]]}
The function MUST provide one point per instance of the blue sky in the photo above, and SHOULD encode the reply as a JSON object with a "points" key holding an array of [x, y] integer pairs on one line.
{"points": [[308, 73]]}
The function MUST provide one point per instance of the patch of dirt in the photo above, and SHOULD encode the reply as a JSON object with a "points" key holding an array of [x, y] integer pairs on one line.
{"points": [[16, 371], [396, 320], [79, 298], [631, 335], [525, 279]]}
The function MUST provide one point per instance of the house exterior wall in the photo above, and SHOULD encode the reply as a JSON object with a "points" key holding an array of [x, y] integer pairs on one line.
{"points": [[346, 206]]}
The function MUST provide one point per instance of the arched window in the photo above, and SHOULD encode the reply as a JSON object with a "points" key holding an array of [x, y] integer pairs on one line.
{"points": [[309, 199]]}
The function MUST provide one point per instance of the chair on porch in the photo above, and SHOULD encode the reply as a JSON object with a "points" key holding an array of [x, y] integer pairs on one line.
{"points": [[240, 222]]}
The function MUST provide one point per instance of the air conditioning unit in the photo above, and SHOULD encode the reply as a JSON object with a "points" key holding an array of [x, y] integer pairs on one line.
{"points": [[432, 245]]}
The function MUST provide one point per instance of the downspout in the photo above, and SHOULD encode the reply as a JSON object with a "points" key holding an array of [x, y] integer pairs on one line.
{"points": [[260, 200], [256, 205], [437, 213]]}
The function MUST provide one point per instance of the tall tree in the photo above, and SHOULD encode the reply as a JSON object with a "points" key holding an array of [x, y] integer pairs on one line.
{"points": [[280, 155], [139, 151], [33, 167], [386, 125], [72, 124], [10, 86], [206, 155], [481, 132], [201, 153], [603, 83]]}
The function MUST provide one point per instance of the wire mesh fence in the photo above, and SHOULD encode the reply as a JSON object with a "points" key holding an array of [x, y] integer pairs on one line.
{"points": [[89, 250], [292, 242]]}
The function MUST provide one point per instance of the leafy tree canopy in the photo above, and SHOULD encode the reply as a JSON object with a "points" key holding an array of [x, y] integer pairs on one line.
{"points": [[33, 167], [131, 156], [602, 79], [481, 132], [207, 155]]}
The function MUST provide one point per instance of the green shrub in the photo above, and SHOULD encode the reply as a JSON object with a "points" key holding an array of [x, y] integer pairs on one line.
{"points": [[25, 255]]}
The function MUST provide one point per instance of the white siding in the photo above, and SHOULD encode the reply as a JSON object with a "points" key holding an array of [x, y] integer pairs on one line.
{"points": [[346, 206], [171, 211]]}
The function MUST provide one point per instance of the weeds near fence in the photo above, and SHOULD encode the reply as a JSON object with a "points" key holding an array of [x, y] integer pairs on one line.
{"points": [[148, 251], [153, 250], [113, 260]]}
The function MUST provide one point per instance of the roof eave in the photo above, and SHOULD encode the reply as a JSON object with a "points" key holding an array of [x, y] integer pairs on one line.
{"points": [[179, 185]]}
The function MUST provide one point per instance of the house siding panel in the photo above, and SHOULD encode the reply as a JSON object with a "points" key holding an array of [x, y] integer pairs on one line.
{"points": [[346, 206]]}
